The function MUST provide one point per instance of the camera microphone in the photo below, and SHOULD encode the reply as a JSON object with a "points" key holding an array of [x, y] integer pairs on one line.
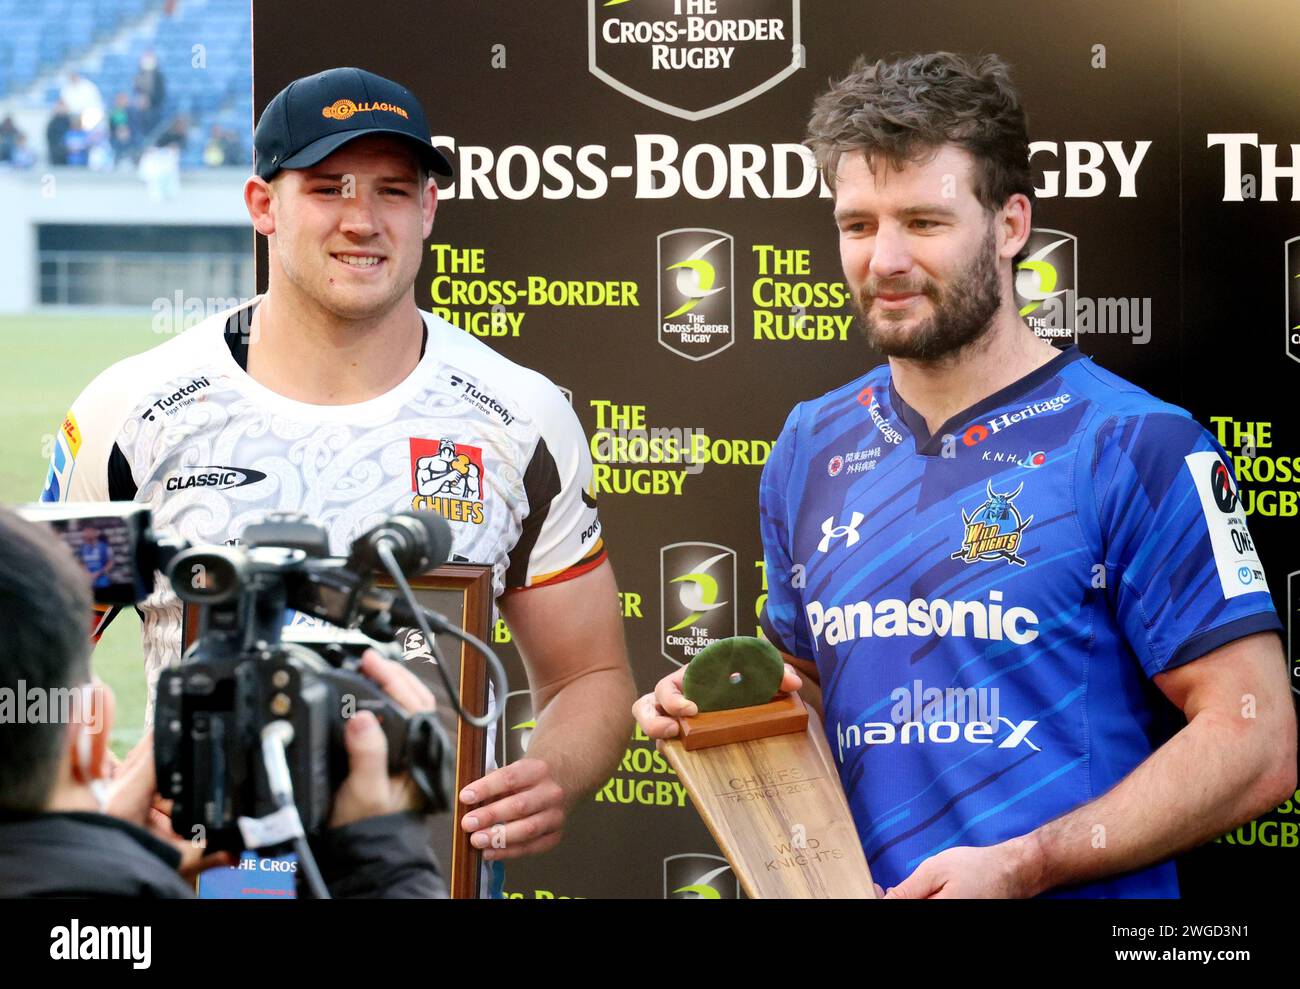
{"points": [[417, 540]]}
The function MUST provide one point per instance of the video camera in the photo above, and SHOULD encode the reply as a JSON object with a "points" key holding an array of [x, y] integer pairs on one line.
{"points": [[222, 750]]}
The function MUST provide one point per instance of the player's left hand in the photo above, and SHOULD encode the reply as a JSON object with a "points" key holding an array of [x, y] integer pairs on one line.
{"points": [[517, 810], [965, 873]]}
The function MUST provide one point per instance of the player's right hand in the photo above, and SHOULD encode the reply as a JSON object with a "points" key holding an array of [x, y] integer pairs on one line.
{"points": [[657, 713]]}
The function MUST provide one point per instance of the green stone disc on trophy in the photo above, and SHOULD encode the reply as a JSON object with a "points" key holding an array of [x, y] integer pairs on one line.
{"points": [[738, 672]]}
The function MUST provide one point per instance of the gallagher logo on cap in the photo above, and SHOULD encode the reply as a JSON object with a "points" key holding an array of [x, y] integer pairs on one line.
{"points": [[342, 109]]}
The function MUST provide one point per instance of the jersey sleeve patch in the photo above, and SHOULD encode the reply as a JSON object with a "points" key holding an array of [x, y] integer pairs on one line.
{"points": [[1186, 570], [1235, 558]]}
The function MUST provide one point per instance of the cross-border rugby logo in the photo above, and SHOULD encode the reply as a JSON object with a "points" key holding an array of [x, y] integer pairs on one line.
{"points": [[695, 876], [994, 530], [1047, 285], [693, 59], [447, 478], [1292, 257], [697, 598], [696, 301], [517, 731]]}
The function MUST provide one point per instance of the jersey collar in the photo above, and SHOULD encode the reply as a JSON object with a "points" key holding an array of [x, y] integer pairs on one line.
{"points": [[930, 445]]}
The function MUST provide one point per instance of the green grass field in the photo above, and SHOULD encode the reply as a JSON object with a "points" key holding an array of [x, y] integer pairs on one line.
{"points": [[47, 360]]}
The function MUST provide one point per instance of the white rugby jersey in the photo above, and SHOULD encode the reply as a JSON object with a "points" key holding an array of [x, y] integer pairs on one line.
{"points": [[493, 447]]}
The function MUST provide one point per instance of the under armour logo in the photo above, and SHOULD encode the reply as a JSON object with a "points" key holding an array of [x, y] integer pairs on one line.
{"points": [[831, 531]]}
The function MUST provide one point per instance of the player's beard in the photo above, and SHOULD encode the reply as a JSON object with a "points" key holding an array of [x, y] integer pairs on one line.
{"points": [[962, 313]]}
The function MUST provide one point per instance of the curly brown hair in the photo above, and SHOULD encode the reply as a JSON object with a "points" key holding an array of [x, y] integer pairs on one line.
{"points": [[907, 108]]}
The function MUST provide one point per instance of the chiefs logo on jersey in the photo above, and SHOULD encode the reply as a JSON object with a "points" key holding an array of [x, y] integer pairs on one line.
{"points": [[447, 478]]}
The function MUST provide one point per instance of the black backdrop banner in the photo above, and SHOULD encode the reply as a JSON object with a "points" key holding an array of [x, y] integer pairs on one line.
{"points": [[595, 153]]}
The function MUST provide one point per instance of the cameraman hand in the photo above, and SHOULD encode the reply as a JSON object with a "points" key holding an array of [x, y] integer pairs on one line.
{"points": [[133, 796], [368, 790]]}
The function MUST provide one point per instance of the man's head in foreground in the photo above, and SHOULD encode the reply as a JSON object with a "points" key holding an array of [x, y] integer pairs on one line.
{"points": [[928, 158], [343, 191], [54, 725]]}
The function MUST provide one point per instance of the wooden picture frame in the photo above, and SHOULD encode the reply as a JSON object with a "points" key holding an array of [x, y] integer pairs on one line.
{"points": [[462, 593]]}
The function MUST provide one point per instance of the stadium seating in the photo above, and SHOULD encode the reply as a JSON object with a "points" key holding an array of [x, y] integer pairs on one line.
{"points": [[47, 38]]}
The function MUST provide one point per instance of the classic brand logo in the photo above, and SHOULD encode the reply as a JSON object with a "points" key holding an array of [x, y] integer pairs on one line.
{"points": [[699, 877], [693, 58], [447, 478], [1047, 285], [213, 476], [697, 597], [696, 302], [993, 531], [343, 109]]}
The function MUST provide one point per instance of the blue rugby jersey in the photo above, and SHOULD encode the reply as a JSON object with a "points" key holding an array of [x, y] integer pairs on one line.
{"points": [[986, 606]]}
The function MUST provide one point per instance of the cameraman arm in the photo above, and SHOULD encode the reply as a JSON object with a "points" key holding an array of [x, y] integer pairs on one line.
{"points": [[377, 845]]}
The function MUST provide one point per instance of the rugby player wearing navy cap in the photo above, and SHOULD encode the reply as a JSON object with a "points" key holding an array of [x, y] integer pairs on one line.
{"points": [[334, 395]]}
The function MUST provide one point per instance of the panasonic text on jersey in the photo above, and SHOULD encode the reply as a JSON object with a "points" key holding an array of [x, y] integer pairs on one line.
{"points": [[894, 617]]}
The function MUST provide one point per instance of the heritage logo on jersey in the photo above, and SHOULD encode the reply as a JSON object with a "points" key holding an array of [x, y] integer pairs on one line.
{"points": [[868, 398], [447, 478], [1046, 285], [693, 59], [169, 405], [696, 309], [1240, 571], [481, 400], [219, 478], [994, 530], [697, 597], [699, 877], [980, 431]]}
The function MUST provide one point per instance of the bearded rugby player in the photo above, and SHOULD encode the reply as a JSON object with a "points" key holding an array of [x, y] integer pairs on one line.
{"points": [[332, 394], [987, 517]]}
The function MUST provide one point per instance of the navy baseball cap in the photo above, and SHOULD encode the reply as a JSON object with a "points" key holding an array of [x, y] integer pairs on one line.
{"points": [[314, 116]]}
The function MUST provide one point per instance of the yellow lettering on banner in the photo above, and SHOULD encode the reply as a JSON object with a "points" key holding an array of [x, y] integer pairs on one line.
{"points": [[820, 327], [544, 292], [645, 481], [496, 323]]}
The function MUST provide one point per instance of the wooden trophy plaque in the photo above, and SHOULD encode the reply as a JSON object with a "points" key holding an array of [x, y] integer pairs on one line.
{"points": [[764, 780]]}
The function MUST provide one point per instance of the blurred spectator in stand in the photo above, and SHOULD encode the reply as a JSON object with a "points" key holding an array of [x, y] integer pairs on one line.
{"points": [[83, 100], [234, 148], [23, 156], [214, 152], [121, 135], [9, 135], [77, 143], [56, 134], [223, 148], [176, 135], [150, 85]]}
